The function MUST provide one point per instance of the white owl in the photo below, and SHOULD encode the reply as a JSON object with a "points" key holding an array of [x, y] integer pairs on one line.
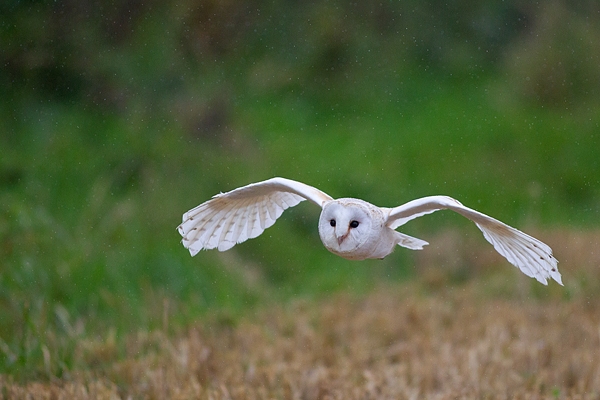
{"points": [[350, 228]]}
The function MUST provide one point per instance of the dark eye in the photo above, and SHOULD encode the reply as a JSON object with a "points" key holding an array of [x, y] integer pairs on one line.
{"points": [[354, 224], [332, 222]]}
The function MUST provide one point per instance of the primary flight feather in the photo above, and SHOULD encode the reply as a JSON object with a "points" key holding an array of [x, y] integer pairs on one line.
{"points": [[350, 228]]}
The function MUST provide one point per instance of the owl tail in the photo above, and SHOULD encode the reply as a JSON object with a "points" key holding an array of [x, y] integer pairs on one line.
{"points": [[409, 241]]}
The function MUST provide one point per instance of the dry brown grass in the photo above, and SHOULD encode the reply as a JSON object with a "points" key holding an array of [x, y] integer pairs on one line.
{"points": [[389, 345], [424, 340]]}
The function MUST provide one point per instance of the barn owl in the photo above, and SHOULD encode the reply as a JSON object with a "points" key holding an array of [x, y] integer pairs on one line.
{"points": [[350, 228]]}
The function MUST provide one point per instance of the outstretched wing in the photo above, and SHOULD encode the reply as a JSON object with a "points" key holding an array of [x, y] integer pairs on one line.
{"points": [[242, 214], [531, 256]]}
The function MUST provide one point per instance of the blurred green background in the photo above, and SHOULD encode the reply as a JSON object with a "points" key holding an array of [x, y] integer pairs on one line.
{"points": [[118, 116]]}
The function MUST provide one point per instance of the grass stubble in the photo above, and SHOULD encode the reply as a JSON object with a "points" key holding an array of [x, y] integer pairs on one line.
{"points": [[423, 339]]}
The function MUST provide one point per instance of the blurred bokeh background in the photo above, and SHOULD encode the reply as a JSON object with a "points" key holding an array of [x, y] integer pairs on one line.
{"points": [[116, 117]]}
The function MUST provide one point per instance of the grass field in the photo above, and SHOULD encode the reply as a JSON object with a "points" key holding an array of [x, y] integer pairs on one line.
{"points": [[393, 344], [499, 335]]}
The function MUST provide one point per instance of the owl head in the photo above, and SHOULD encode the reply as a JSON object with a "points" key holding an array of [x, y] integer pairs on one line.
{"points": [[345, 226]]}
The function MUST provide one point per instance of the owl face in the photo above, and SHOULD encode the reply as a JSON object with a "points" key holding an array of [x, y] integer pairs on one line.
{"points": [[345, 227]]}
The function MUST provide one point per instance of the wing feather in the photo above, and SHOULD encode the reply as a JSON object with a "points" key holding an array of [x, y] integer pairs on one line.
{"points": [[239, 232], [512, 256], [243, 213], [533, 257], [273, 210], [215, 230], [225, 242], [263, 215], [254, 224]]}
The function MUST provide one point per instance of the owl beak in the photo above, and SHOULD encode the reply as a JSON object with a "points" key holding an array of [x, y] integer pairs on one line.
{"points": [[343, 237]]}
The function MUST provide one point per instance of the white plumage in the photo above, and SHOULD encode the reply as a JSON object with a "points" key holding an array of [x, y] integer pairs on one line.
{"points": [[351, 228]]}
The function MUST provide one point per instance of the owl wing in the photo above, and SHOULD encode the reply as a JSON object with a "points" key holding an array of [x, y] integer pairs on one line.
{"points": [[531, 256], [243, 213]]}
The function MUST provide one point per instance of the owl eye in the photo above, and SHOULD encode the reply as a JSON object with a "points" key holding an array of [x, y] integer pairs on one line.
{"points": [[332, 222], [354, 224]]}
